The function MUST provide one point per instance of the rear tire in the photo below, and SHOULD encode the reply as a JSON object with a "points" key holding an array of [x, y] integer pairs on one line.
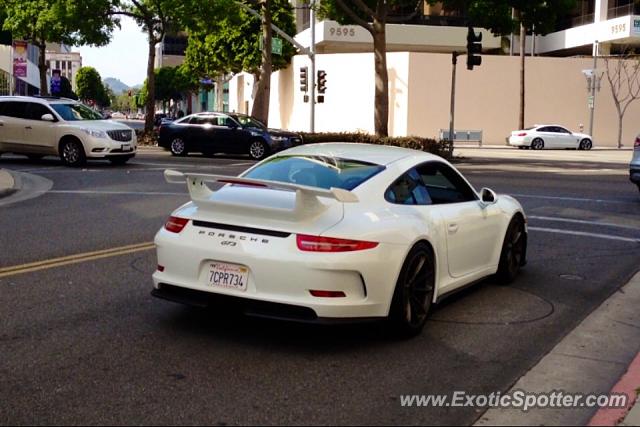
{"points": [[514, 250], [413, 295], [537, 144], [72, 152]]}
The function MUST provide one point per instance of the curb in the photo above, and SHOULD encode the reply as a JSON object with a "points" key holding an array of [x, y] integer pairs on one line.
{"points": [[7, 183], [628, 384]]}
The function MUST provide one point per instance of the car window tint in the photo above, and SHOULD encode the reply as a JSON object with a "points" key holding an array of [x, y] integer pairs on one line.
{"points": [[563, 130], [35, 111], [408, 190], [316, 171], [444, 184], [546, 129], [203, 120], [15, 109]]}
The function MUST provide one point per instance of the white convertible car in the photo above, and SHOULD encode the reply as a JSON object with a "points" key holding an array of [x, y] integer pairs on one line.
{"points": [[331, 232]]}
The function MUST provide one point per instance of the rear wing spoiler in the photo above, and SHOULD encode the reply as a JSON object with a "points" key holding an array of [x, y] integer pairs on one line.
{"points": [[306, 197]]}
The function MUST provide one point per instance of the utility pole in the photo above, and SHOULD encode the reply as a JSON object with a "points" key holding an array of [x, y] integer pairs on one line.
{"points": [[454, 60], [594, 79], [312, 56]]}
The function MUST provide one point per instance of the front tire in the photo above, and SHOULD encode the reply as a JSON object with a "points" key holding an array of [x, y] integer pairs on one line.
{"points": [[258, 149], [72, 153], [585, 144], [514, 250], [178, 147], [537, 144], [413, 296]]}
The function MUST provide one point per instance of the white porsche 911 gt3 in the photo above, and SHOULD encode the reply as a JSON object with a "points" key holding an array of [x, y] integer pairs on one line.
{"points": [[330, 232]]}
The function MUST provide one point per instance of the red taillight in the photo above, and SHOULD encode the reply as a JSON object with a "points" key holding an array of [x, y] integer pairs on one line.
{"points": [[160, 268], [522, 134], [175, 224], [331, 244], [636, 145], [328, 294]]}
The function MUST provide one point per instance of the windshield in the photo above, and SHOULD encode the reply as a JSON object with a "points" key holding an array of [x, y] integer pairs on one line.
{"points": [[249, 122], [76, 112], [316, 171]]}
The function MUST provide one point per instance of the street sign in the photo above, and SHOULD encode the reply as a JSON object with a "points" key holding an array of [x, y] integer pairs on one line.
{"points": [[276, 45], [590, 102]]}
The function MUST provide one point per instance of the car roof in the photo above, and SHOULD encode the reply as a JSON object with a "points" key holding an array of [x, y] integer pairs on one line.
{"points": [[370, 153], [550, 124]]}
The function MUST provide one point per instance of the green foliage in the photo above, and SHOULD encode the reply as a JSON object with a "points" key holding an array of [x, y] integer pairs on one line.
{"points": [[441, 148], [90, 87], [172, 83], [74, 22], [230, 42]]}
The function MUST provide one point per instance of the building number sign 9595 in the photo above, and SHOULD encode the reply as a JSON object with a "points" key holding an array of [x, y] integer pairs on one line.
{"points": [[342, 32], [619, 28]]}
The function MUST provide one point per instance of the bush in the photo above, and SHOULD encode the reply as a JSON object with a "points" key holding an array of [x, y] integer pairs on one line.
{"points": [[440, 148], [147, 138]]}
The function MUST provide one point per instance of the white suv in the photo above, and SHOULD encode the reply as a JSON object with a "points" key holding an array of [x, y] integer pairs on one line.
{"points": [[40, 126]]}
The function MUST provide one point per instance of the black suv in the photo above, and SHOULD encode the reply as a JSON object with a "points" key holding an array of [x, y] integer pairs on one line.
{"points": [[231, 133]]}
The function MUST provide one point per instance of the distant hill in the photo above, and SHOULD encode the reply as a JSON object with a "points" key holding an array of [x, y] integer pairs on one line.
{"points": [[116, 85]]}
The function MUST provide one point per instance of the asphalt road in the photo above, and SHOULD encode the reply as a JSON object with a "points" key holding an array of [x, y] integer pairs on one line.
{"points": [[86, 343]]}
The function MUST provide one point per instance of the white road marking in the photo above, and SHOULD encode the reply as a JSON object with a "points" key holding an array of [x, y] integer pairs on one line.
{"points": [[585, 234], [582, 221], [572, 199]]}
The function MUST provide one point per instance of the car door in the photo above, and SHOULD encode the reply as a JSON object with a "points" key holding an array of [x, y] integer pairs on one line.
{"points": [[567, 139], [40, 135], [472, 228], [12, 121], [549, 136], [232, 138]]}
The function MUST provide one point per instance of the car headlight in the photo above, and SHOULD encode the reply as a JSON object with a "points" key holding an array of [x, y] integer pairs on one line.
{"points": [[95, 133], [279, 138]]}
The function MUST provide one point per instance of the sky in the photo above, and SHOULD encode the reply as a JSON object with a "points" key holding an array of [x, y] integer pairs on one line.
{"points": [[125, 58]]}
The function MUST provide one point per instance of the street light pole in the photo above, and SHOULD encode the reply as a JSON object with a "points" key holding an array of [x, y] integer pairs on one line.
{"points": [[593, 88], [453, 98]]}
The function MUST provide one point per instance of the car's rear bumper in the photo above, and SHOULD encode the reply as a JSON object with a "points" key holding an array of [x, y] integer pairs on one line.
{"points": [[634, 175], [518, 141], [255, 308]]}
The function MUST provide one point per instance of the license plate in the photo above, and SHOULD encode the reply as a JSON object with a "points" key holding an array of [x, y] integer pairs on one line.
{"points": [[228, 276], [127, 147]]}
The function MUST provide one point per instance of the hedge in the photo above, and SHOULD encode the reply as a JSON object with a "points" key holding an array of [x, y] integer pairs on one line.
{"points": [[441, 148]]}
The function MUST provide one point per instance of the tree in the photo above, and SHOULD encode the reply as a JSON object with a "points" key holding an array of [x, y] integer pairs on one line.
{"points": [[498, 16], [373, 16], [623, 74], [74, 22], [222, 44], [171, 84], [156, 17], [90, 87]]}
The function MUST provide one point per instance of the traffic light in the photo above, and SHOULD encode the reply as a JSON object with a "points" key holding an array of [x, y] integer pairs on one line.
{"points": [[322, 81], [474, 49], [304, 81]]}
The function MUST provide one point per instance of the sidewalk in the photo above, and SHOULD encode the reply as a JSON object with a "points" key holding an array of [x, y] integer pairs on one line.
{"points": [[629, 384], [7, 183]]}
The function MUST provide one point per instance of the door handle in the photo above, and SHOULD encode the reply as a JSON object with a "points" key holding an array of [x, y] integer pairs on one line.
{"points": [[28, 127], [1, 124], [453, 228]]}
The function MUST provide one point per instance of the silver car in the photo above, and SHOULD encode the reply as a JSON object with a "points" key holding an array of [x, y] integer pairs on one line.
{"points": [[634, 168]]}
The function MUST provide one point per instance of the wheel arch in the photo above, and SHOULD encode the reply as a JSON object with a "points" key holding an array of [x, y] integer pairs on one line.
{"points": [[70, 137]]}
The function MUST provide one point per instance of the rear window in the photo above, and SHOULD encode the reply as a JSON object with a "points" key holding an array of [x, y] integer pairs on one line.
{"points": [[316, 171]]}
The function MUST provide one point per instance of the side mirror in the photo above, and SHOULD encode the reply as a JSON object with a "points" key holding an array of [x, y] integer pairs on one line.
{"points": [[48, 118], [488, 196]]}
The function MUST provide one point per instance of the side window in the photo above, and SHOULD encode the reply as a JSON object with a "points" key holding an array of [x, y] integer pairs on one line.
{"points": [[15, 109], [35, 111], [563, 130], [444, 184], [546, 129], [408, 190]]}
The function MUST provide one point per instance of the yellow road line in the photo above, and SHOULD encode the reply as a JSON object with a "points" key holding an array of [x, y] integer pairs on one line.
{"points": [[74, 259]]}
